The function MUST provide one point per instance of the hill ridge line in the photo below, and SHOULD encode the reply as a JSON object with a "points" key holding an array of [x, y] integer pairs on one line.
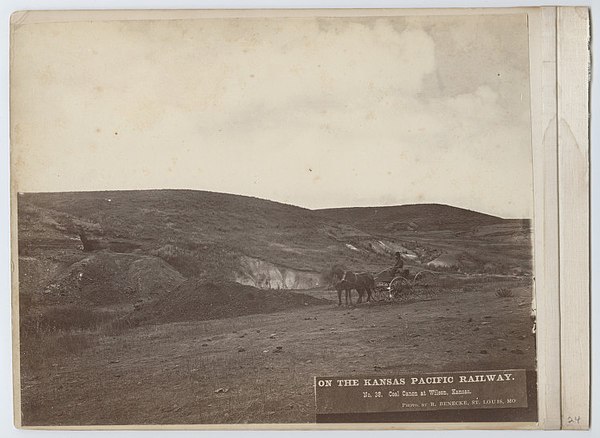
{"points": [[251, 197]]}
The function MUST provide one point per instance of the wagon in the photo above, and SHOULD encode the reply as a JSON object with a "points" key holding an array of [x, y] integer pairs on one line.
{"points": [[390, 286]]}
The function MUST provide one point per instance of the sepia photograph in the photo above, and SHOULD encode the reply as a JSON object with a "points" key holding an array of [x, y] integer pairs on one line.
{"points": [[252, 219]]}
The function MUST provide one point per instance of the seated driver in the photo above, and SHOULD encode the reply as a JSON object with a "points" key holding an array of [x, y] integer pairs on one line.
{"points": [[397, 269]]}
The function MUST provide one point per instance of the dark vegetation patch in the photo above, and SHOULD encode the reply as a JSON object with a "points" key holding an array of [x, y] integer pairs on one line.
{"points": [[62, 318]]}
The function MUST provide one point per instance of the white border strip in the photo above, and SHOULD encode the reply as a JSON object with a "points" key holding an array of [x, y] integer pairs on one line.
{"points": [[573, 33], [542, 44]]}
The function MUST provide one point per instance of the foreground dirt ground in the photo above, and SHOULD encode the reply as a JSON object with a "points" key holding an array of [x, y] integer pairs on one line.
{"points": [[260, 368]]}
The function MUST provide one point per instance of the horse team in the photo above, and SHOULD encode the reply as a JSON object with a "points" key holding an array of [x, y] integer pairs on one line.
{"points": [[362, 282]]}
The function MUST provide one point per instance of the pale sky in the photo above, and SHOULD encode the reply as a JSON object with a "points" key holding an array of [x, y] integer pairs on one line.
{"points": [[328, 112]]}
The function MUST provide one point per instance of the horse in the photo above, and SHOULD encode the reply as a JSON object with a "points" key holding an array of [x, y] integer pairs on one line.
{"points": [[346, 284], [363, 283]]}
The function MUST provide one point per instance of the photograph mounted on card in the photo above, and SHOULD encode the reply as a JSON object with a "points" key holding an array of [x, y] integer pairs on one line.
{"points": [[291, 218]]}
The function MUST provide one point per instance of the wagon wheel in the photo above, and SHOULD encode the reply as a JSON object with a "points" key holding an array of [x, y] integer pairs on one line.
{"points": [[381, 292], [400, 287], [424, 278], [424, 282]]}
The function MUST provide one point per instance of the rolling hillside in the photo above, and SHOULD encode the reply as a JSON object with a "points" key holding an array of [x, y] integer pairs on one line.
{"points": [[414, 217], [143, 242], [183, 221]]}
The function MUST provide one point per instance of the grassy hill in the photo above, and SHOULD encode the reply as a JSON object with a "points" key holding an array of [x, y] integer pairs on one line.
{"points": [[182, 234], [442, 237], [421, 217], [214, 224]]}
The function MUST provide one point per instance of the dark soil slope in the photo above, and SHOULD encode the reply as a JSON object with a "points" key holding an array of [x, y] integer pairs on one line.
{"points": [[197, 300], [107, 278]]}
